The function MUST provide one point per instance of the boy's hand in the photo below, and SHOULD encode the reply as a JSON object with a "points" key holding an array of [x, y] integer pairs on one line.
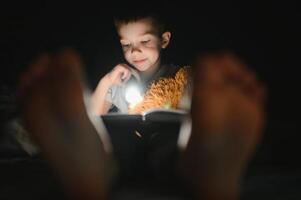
{"points": [[120, 74]]}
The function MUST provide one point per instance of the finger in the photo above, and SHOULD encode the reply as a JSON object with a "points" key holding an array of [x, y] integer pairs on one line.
{"points": [[208, 72], [126, 76], [258, 93], [66, 59], [35, 71], [249, 83], [122, 66], [135, 74], [235, 71], [116, 76], [38, 67]]}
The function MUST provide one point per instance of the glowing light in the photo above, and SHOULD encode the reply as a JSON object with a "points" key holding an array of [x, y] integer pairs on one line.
{"points": [[133, 95]]}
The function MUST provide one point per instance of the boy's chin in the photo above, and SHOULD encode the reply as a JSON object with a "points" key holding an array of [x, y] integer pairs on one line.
{"points": [[141, 68]]}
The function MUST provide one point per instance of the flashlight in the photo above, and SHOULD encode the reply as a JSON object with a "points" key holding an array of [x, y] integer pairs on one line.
{"points": [[133, 92]]}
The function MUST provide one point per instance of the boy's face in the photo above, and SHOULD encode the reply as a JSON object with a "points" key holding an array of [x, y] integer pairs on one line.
{"points": [[141, 44]]}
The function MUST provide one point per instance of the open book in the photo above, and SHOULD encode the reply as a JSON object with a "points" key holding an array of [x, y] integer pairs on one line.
{"points": [[133, 133], [138, 137], [128, 130], [154, 115]]}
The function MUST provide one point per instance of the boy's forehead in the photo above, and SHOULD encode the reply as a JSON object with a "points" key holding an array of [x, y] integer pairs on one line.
{"points": [[136, 29]]}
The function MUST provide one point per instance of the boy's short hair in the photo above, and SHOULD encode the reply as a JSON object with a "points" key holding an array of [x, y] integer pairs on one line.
{"points": [[158, 19]]}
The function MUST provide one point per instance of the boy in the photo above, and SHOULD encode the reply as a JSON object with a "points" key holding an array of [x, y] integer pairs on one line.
{"points": [[143, 37]]}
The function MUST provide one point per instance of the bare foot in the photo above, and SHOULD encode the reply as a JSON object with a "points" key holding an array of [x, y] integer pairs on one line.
{"points": [[54, 112], [227, 121]]}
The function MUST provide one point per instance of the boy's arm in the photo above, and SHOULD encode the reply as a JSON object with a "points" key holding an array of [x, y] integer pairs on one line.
{"points": [[121, 73], [99, 104]]}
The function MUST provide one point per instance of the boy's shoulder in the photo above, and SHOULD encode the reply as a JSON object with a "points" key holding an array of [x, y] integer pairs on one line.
{"points": [[171, 70]]}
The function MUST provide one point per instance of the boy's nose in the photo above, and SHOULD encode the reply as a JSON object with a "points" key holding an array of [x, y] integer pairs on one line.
{"points": [[135, 49]]}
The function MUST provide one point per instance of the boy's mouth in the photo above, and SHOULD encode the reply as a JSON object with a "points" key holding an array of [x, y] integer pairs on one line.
{"points": [[139, 61]]}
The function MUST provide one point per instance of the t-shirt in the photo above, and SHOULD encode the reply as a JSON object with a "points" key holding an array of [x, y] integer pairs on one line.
{"points": [[116, 94]]}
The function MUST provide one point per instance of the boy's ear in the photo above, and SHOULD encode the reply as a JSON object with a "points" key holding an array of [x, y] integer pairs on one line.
{"points": [[165, 39]]}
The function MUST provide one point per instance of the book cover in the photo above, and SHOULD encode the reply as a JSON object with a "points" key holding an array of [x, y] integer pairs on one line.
{"points": [[154, 115]]}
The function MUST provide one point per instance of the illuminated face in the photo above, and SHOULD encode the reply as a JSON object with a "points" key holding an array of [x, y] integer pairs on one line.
{"points": [[141, 45]]}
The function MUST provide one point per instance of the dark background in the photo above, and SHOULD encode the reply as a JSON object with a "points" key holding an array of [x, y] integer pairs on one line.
{"points": [[265, 35]]}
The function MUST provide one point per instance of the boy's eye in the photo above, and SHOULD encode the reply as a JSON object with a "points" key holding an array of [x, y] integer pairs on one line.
{"points": [[125, 46], [145, 41]]}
